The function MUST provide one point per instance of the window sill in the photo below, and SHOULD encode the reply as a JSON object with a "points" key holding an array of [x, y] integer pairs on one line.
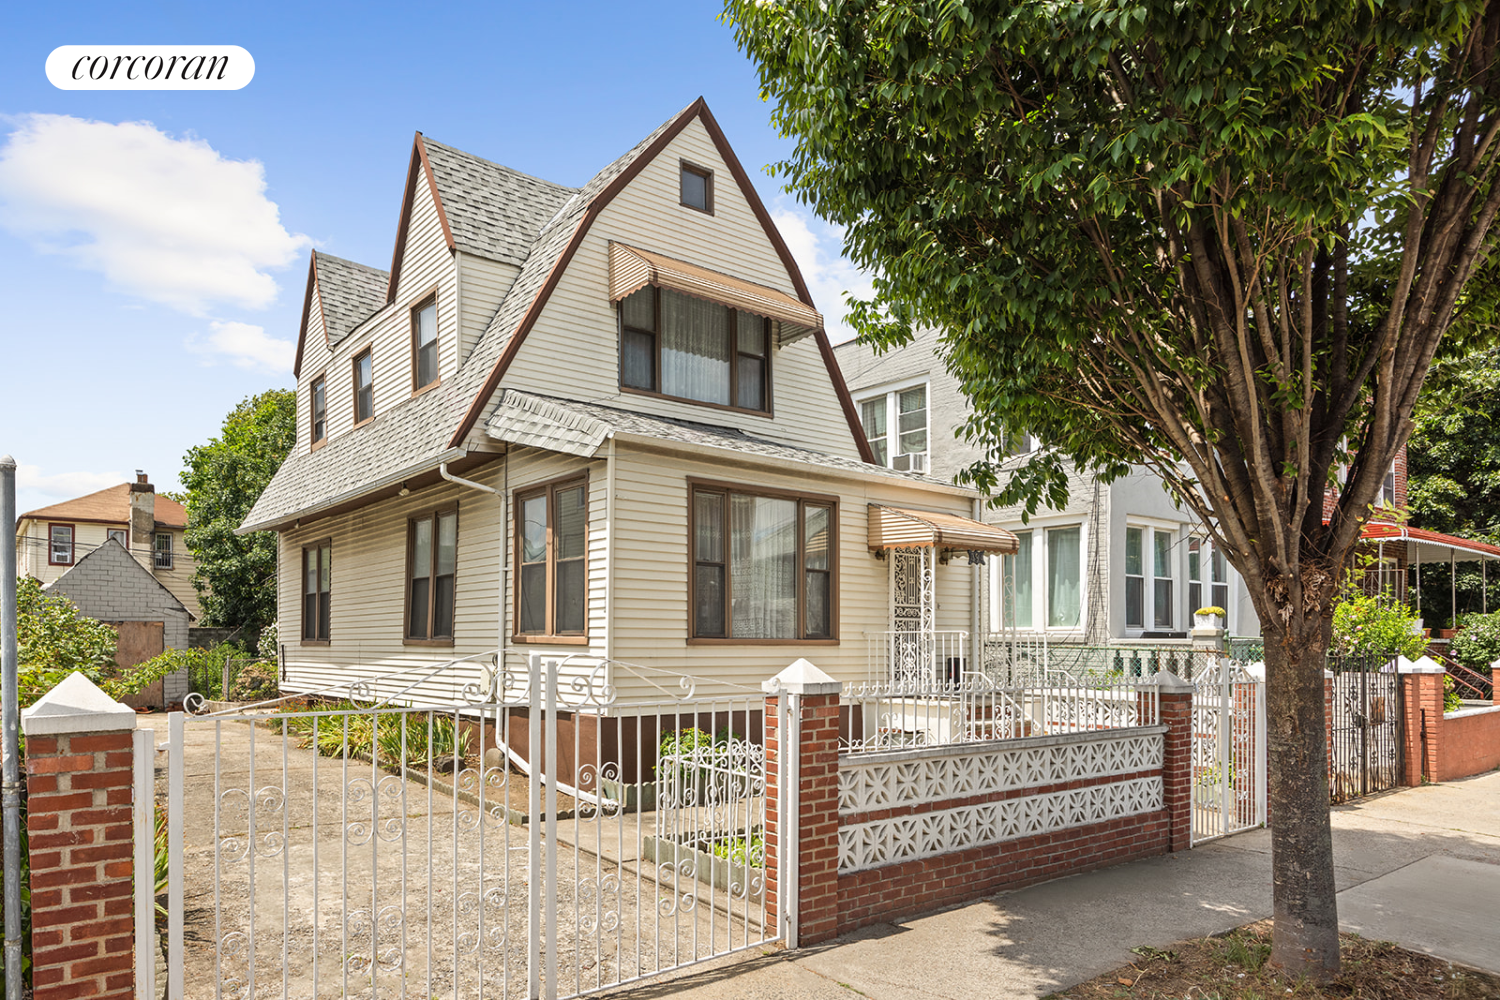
{"points": [[424, 389], [653, 394], [551, 640], [707, 641], [317, 444], [408, 641], [361, 423], [315, 642]]}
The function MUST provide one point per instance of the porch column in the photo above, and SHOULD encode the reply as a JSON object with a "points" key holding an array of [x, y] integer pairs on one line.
{"points": [[79, 820]]}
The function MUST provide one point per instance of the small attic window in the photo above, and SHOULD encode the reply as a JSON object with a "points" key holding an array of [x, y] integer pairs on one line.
{"points": [[697, 189]]}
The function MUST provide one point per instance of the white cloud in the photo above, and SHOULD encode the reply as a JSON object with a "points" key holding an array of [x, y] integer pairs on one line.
{"points": [[62, 485], [170, 220], [818, 249], [245, 346]]}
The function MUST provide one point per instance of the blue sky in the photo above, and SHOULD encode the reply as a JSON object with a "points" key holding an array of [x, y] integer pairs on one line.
{"points": [[155, 243]]}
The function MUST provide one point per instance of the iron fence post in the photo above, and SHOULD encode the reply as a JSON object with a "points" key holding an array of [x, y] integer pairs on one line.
{"points": [[12, 744]]}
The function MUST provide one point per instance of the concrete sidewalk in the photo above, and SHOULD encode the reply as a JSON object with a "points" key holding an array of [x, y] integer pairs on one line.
{"points": [[1420, 866]]}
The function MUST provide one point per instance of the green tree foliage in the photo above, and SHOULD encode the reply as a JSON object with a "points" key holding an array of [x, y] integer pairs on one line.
{"points": [[1376, 627], [236, 575], [1220, 239], [1477, 646]]}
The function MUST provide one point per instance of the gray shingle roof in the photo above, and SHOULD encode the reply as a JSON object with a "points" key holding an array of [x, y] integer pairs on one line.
{"points": [[351, 293], [493, 211], [521, 414], [413, 435]]}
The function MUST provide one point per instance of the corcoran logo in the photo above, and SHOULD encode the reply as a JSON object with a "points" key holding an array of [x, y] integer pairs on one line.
{"points": [[150, 67]]}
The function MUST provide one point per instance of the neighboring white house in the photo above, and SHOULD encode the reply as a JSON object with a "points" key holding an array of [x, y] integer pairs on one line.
{"points": [[602, 421], [1120, 563]]}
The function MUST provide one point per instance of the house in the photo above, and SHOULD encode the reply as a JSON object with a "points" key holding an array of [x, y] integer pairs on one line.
{"points": [[52, 540], [1120, 566], [601, 422], [108, 584]]}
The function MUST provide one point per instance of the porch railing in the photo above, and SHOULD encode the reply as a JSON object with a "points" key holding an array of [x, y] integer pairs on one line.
{"points": [[915, 657], [1031, 659]]}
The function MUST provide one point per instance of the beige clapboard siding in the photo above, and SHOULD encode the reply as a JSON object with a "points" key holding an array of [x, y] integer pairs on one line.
{"points": [[483, 285], [651, 602], [573, 350], [426, 265], [315, 359], [369, 577]]}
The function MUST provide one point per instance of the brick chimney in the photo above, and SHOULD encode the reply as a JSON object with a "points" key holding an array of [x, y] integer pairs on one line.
{"points": [[142, 519]]}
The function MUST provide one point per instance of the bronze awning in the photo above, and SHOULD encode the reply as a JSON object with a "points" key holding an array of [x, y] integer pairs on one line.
{"points": [[631, 269], [899, 528]]}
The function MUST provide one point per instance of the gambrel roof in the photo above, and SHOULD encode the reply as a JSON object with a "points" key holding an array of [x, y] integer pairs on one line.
{"points": [[502, 214]]}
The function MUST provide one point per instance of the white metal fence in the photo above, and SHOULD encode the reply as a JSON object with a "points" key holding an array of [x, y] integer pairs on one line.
{"points": [[915, 657], [894, 715], [379, 849], [1229, 751]]}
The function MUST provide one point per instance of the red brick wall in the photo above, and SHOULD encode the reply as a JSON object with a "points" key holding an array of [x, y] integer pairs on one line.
{"points": [[1424, 734], [79, 823], [1470, 745], [818, 836], [910, 887]]}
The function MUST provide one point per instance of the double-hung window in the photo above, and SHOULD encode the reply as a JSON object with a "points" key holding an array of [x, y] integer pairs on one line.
{"points": [[1040, 586], [364, 387], [319, 410], [1220, 570], [764, 565], [694, 349], [431, 566], [1195, 574], [424, 344], [162, 550], [696, 188], [552, 543], [1015, 590], [895, 424], [1149, 547], [317, 577], [119, 535], [60, 544], [1065, 577]]}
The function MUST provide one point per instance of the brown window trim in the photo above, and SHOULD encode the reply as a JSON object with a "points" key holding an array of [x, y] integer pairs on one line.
{"points": [[354, 385], [549, 488], [302, 592], [312, 412], [708, 185], [430, 297], [803, 500], [72, 543], [734, 359], [407, 639]]}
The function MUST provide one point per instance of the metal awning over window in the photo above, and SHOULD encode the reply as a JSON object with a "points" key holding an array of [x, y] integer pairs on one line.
{"points": [[899, 528], [631, 269]]}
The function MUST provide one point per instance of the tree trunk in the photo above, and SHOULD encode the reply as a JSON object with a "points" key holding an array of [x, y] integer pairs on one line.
{"points": [[1305, 938]]}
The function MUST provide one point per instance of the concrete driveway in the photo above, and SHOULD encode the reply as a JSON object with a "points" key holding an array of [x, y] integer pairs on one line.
{"points": [[1420, 866]]}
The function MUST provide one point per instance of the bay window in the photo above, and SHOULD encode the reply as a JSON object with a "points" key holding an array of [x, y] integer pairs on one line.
{"points": [[693, 349], [764, 565], [552, 542], [431, 567]]}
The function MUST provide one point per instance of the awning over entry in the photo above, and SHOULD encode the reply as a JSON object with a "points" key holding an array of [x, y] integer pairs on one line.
{"points": [[631, 269], [1430, 546], [899, 528]]}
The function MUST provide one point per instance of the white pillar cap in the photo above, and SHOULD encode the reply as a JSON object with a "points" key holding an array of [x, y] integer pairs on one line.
{"points": [[802, 678], [76, 706]]}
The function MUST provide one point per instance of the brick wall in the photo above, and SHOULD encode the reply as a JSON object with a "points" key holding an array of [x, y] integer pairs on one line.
{"points": [[79, 824], [1471, 743]]}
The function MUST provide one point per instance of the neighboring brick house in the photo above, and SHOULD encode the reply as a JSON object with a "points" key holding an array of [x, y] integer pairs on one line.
{"points": [[109, 585], [51, 540]]}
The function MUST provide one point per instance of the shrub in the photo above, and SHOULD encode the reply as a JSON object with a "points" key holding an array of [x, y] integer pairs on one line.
{"points": [[265, 646], [741, 852], [255, 682], [1376, 627], [1478, 644]]}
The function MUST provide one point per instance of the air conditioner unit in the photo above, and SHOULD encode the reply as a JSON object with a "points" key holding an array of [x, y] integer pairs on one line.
{"points": [[910, 463]]}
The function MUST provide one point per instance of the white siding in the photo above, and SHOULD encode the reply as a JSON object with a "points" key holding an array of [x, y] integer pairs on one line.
{"points": [[482, 285], [426, 265], [573, 351]]}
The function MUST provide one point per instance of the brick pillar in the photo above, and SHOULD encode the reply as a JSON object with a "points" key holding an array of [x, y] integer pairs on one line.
{"points": [[815, 697], [1422, 701], [1175, 697], [79, 789], [772, 832], [1495, 688]]}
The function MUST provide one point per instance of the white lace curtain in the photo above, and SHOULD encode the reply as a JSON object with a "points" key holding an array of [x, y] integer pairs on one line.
{"points": [[763, 567], [694, 349]]}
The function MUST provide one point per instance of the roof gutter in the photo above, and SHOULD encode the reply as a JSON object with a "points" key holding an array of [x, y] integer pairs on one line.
{"points": [[426, 465]]}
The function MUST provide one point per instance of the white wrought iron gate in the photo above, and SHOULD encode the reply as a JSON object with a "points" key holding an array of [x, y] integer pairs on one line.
{"points": [[1229, 751], [392, 844]]}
